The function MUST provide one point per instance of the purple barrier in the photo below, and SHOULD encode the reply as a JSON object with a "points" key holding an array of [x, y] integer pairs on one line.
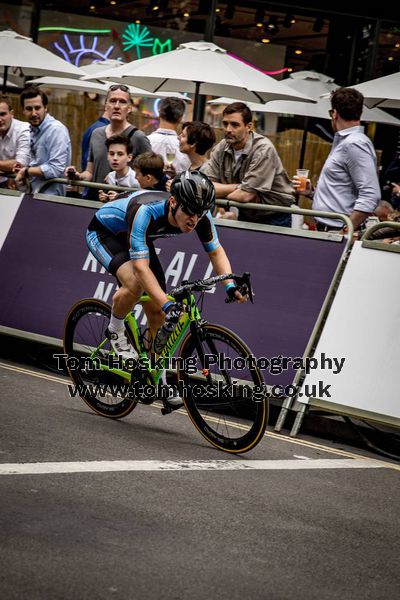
{"points": [[45, 267]]}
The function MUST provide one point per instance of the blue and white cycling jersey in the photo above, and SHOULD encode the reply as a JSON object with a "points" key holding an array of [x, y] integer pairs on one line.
{"points": [[143, 215]]}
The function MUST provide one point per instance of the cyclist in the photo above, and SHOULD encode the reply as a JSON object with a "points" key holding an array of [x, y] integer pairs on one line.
{"points": [[121, 236]]}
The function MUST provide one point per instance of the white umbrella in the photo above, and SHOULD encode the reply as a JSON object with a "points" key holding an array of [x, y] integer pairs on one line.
{"points": [[77, 85], [19, 52], [316, 84], [383, 91], [9, 84], [311, 83], [201, 68], [319, 110], [101, 65], [99, 87]]}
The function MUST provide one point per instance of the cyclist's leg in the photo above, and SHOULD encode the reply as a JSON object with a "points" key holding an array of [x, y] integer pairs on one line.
{"points": [[129, 291], [154, 314], [112, 252], [155, 317]]}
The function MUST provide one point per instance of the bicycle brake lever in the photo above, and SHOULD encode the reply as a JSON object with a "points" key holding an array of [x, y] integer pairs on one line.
{"points": [[245, 286]]}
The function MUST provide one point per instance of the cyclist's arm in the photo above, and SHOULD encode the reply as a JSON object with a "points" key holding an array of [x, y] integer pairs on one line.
{"points": [[220, 262], [208, 235], [222, 266]]}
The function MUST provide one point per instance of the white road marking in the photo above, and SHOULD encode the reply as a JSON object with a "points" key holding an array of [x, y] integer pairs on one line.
{"points": [[108, 466]]}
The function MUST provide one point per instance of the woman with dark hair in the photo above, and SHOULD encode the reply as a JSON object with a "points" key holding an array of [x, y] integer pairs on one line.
{"points": [[196, 139]]}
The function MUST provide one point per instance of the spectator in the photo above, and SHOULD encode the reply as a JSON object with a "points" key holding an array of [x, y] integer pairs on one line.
{"points": [[149, 169], [50, 143], [118, 106], [395, 196], [119, 152], [101, 122], [196, 139], [391, 185], [14, 141], [348, 182], [164, 140], [245, 167], [385, 212]]}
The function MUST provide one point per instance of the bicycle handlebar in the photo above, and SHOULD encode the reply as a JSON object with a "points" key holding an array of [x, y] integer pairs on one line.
{"points": [[200, 285]]}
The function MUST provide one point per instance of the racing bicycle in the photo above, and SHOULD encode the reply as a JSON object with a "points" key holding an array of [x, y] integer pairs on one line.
{"points": [[221, 387]]}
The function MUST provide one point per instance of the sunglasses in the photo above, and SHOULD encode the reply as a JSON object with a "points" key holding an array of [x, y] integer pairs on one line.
{"points": [[192, 213], [117, 86]]}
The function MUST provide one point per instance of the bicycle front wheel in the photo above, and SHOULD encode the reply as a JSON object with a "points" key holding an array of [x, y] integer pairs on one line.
{"points": [[88, 353], [222, 389]]}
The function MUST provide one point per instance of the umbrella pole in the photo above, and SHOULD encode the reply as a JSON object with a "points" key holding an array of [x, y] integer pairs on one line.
{"points": [[5, 79], [199, 103], [303, 144]]}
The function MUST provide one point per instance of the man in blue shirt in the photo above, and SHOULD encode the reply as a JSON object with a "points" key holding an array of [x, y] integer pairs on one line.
{"points": [[50, 144], [348, 182]]}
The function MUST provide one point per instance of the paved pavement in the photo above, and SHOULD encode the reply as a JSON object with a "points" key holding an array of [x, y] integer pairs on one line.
{"points": [[144, 508]]}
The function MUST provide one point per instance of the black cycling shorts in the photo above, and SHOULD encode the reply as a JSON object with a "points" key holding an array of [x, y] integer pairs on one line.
{"points": [[112, 250]]}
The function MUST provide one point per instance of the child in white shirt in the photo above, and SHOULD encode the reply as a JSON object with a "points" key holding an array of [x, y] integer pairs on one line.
{"points": [[119, 154]]}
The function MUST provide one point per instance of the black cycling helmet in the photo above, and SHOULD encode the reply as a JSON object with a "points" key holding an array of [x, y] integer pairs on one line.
{"points": [[194, 192]]}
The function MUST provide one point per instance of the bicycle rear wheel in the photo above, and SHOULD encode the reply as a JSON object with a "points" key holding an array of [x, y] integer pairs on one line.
{"points": [[224, 397], [88, 352]]}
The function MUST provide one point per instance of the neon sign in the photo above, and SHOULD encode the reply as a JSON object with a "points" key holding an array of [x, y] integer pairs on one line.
{"points": [[278, 72], [138, 36], [74, 55], [135, 36]]}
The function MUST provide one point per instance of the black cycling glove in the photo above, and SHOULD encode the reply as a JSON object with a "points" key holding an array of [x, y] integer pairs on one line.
{"points": [[230, 290]]}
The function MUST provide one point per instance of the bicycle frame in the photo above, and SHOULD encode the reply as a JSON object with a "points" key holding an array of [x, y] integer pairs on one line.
{"points": [[191, 313]]}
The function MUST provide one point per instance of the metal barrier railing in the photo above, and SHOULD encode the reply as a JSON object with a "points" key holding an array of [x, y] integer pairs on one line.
{"points": [[220, 201], [292, 210], [12, 175], [81, 183], [377, 244]]}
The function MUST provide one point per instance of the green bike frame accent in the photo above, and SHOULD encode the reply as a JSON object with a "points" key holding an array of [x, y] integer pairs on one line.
{"points": [[191, 313]]}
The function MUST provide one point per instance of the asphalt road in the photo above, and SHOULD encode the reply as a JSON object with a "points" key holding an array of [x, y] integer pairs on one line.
{"points": [[191, 527]]}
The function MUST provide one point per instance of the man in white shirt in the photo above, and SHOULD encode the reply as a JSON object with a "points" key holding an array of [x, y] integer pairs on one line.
{"points": [[164, 140], [14, 141]]}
